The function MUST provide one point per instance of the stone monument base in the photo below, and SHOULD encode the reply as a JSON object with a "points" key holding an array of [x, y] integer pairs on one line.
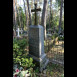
{"points": [[40, 62]]}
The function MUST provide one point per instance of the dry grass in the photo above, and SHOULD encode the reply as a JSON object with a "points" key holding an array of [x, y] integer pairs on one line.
{"points": [[52, 70], [57, 52]]}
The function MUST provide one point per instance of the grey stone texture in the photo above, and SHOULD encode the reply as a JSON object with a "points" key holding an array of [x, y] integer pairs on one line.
{"points": [[36, 45]]}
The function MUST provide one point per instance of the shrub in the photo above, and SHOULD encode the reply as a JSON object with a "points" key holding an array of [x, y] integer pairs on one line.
{"points": [[61, 38], [19, 54], [54, 36], [27, 62]]}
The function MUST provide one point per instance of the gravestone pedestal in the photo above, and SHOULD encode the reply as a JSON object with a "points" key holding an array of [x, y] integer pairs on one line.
{"points": [[36, 46]]}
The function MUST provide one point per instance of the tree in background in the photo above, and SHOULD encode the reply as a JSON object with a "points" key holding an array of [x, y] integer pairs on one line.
{"points": [[14, 14], [29, 12], [60, 21], [21, 18], [50, 13], [43, 21], [60, 4], [26, 14]]}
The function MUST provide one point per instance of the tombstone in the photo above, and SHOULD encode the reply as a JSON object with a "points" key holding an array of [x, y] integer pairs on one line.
{"points": [[36, 43], [18, 32]]}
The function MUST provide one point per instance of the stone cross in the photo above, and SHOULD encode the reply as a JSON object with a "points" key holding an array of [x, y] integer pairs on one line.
{"points": [[36, 10], [18, 32]]}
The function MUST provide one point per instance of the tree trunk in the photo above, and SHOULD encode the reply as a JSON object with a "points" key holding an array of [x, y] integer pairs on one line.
{"points": [[29, 12], [43, 21], [14, 13], [18, 16], [50, 14], [26, 15], [60, 17]]}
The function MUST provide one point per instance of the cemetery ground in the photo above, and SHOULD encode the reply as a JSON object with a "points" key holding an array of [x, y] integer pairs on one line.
{"points": [[54, 50]]}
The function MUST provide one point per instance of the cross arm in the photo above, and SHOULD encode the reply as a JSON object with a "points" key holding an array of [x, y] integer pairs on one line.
{"points": [[33, 10], [39, 9]]}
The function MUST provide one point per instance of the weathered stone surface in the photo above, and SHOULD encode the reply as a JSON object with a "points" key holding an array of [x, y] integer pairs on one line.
{"points": [[36, 40], [36, 45]]}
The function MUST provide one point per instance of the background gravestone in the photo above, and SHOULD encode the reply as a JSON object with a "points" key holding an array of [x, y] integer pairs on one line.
{"points": [[18, 30]]}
